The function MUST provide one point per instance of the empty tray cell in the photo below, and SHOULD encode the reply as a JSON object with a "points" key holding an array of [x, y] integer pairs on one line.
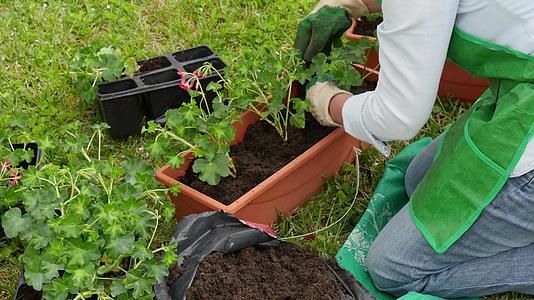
{"points": [[153, 64], [116, 86], [216, 62], [191, 54], [161, 77]]}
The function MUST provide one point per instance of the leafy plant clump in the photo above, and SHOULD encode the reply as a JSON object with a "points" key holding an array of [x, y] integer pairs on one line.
{"points": [[262, 88], [89, 227]]}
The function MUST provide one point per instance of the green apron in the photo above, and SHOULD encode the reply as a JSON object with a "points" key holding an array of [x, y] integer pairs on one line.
{"points": [[481, 149]]}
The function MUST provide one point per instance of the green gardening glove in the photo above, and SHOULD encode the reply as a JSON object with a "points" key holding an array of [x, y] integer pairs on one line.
{"points": [[319, 30]]}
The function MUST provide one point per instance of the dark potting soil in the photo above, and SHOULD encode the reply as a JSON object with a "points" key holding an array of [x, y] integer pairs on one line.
{"points": [[366, 27], [261, 154], [287, 272], [153, 64]]}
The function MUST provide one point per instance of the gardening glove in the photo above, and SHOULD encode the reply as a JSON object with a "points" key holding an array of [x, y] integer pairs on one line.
{"points": [[319, 92], [325, 24]]}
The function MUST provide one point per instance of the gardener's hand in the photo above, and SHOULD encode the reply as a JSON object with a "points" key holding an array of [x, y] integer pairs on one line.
{"points": [[320, 91], [326, 23]]}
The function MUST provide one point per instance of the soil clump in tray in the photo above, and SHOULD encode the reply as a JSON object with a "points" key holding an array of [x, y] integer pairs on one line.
{"points": [[261, 154], [367, 27], [153, 64], [287, 272]]}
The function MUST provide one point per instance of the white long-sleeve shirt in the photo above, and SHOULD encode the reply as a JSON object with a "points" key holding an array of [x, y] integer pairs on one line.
{"points": [[414, 40]]}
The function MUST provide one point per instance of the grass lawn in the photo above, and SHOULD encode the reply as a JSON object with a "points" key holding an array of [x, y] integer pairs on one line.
{"points": [[39, 42]]}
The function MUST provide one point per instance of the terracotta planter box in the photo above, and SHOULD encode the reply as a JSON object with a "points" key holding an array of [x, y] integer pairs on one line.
{"points": [[454, 80], [281, 193]]}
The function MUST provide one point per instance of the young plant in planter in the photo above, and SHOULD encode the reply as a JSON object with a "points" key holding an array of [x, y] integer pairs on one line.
{"points": [[204, 131], [270, 87], [89, 229]]}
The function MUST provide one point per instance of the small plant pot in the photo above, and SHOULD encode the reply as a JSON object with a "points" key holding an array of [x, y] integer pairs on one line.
{"points": [[120, 105], [281, 193], [454, 80], [153, 90], [26, 292]]}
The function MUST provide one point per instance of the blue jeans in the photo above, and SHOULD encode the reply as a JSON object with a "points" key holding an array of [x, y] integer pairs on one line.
{"points": [[495, 255]]}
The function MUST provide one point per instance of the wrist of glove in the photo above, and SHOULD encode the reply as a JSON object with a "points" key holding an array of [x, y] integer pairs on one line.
{"points": [[355, 8], [319, 95]]}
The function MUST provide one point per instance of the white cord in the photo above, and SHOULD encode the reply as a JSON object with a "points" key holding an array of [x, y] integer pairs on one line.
{"points": [[357, 163]]}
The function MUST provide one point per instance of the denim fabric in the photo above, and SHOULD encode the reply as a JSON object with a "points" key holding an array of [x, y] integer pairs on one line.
{"points": [[495, 255]]}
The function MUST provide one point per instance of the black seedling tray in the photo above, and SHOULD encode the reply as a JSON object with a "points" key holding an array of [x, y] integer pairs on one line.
{"points": [[153, 90]]}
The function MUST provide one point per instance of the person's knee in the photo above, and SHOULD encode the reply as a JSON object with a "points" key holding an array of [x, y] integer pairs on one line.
{"points": [[391, 269]]}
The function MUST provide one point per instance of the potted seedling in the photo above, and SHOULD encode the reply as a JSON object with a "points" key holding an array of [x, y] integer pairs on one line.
{"points": [[89, 228], [454, 80], [241, 179]]}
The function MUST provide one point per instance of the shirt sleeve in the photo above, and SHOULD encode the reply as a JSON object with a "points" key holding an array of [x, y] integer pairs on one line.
{"points": [[414, 39]]}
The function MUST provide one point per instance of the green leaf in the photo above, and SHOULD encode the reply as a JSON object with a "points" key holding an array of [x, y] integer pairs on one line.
{"points": [[212, 170], [176, 161], [298, 120], [130, 67], [34, 278], [152, 126], [169, 210], [120, 245], [136, 282], [213, 86], [158, 271], [300, 105], [81, 276], [170, 257], [80, 252], [223, 131], [117, 288], [175, 189], [156, 149], [14, 223], [51, 269], [41, 237], [109, 213], [67, 226], [58, 290], [141, 251]]}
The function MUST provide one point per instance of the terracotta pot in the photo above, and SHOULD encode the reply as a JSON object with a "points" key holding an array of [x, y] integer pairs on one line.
{"points": [[454, 80], [281, 193]]}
